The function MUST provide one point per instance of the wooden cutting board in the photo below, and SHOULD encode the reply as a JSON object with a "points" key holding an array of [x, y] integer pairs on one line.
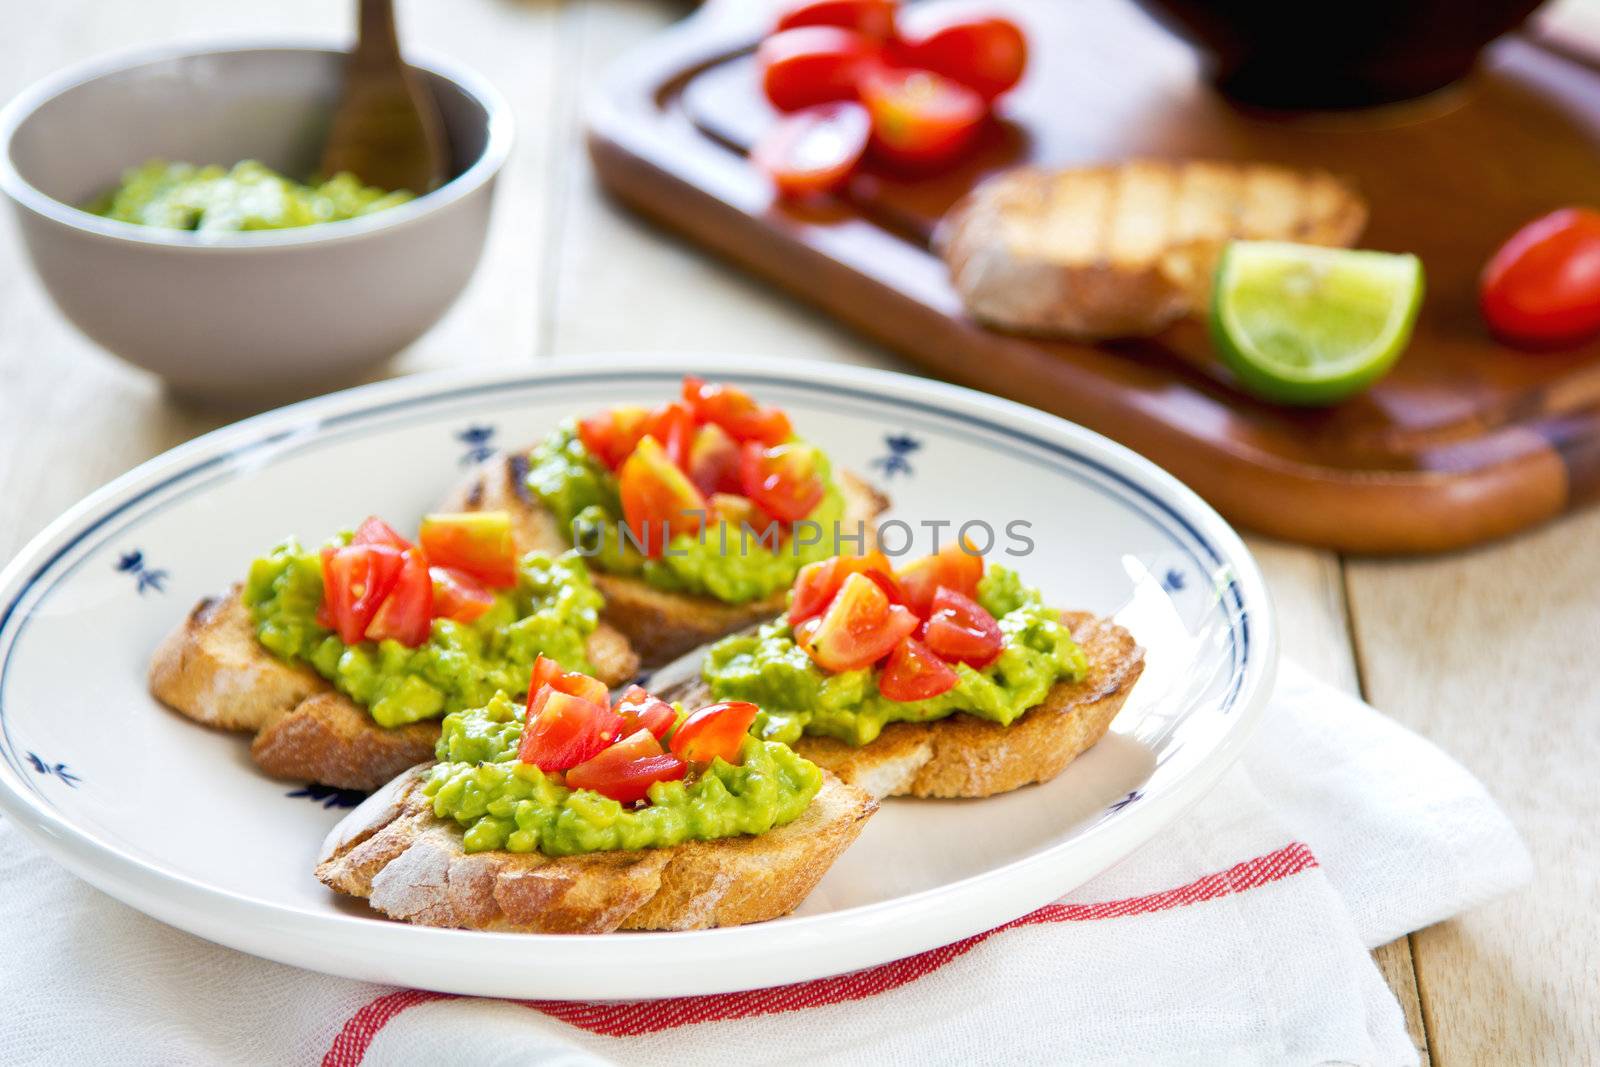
{"points": [[1464, 441]]}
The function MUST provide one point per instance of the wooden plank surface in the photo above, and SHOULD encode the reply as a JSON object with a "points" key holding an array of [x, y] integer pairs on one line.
{"points": [[1488, 653]]}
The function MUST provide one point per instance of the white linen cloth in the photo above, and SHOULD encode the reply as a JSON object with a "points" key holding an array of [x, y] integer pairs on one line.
{"points": [[1239, 935]]}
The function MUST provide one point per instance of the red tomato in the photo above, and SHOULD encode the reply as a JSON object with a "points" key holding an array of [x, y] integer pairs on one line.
{"points": [[611, 435], [783, 480], [859, 628], [626, 770], [715, 731], [658, 500], [406, 614], [713, 464], [641, 711], [920, 119], [874, 18], [914, 672], [960, 630], [817, 583], [952, 567], [812, 65], [458, 595], [355, 579], [564, 730], [814, 149], [1542, 288], [736, 411], [374, 531], [673, 426], [986, 55], [547, 672], [737, 511], [478, 542]]}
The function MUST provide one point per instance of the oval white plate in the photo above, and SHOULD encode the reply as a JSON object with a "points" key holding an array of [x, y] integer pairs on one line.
{"points": [[175, 820]]}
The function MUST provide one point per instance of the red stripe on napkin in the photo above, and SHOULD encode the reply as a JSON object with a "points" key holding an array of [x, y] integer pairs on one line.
{"points": [[652, 1016]]}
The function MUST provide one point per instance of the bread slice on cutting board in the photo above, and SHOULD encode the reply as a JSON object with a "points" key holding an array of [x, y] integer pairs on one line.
{"points": [[1125, 250]]}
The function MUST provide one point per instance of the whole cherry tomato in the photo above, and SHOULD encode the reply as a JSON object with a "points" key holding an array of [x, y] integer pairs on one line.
{"points": [[873, 18], [985, 54], [812, 65], [814, 149], [1542, 288], [920, 119]]}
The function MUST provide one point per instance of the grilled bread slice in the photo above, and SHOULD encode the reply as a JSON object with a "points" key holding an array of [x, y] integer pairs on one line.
{"points": [[964, 756], [660, 625], [411, 866], [212, 669], [1125, 250]]}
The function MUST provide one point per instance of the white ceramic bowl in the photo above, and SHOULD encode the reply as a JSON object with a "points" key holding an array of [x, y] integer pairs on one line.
{"points": [[246, 316]]}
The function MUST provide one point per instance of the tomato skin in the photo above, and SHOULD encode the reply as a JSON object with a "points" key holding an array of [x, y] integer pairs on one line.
{"points": [[873, 18], [658, 500], [673, 426], [406, 614], [641, 711], [859, 628], [626, 770], [716, 731], [920, 120], [736, 411], [783, 480], [477, 542], [355, 581], [458, 595], [914, 671], [959, 629], [812, 65], [988, 55], [612, 435], [374, 531], [815, 149], [952, 567], [547, 672], [1542, 288], [563, 730], [713, 464], [817, 583]]}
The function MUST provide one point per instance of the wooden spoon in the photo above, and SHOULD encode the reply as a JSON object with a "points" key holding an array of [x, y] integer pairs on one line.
{"points": [[386, 129]]}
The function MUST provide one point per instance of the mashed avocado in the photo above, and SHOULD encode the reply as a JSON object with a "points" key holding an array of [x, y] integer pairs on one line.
{"points": [[797, 696], [552, 610], [503, 803], [182, 196], [721, 562]]}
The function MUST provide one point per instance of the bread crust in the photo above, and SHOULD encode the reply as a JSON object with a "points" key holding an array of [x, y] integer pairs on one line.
{"points": [[660, 625], [411, 866], [212, 669]]}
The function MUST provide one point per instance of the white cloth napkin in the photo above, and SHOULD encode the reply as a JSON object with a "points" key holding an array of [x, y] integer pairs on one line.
{"points": [[1237, 936]]}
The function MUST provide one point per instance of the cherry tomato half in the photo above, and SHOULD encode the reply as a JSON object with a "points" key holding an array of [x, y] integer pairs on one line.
{"points": [[814, 149], [859, 628], [783, 481], [874, 18], [914, 672], [713, 464], [960, 630], [563, 730], [406, 614], [641, 711], [374, 531], [920, 119], [1542, 288], [458, 595], [736, 411], [816, 584], [952, 567], [812, 65], [716, 731], [355, 581], [610, 436], [658, 500], [547, 672], [477, 542], [987, 55], [626, 770]]}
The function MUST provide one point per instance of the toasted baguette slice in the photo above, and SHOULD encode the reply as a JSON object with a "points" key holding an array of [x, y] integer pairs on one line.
{"points": [[1127, 249], [659, 625], [212, 669], [964, 756], [411, 866]]}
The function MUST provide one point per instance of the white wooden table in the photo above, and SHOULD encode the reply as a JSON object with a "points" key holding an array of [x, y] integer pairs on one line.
{"points": [[1494, 654]]}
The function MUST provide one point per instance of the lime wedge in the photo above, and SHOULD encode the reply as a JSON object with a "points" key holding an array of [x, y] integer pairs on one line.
{"points": [[1303, 324]]}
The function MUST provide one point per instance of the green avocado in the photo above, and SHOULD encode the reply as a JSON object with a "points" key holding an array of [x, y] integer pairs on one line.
{"points": [[732, 565], [551, 611], [502, 803], [797, 697], [212, 199]]}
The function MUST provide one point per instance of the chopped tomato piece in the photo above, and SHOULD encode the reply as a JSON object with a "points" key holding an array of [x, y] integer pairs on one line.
{"points": [[874, 18], [920, 119], [478, 542], [406, 614], [716, 731], [812, 65], [612, 435], [736, 411], [658, 500], [783, 481], [815, 586], [673, 426], [914, 672], [547, 672], [355, 579], [458, 595], [986, 55], [564, 730], [814, 149], [953, 567], [641, 711], [959, 629], [859, 628], [626, 770], [714, 461], [737, 511], [374, 531]]}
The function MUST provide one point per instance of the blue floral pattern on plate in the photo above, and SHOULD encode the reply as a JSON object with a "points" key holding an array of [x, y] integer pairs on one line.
{"points": [[145, 576], [478, 439], [328, 796], [900, 446], [43, 766]]}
